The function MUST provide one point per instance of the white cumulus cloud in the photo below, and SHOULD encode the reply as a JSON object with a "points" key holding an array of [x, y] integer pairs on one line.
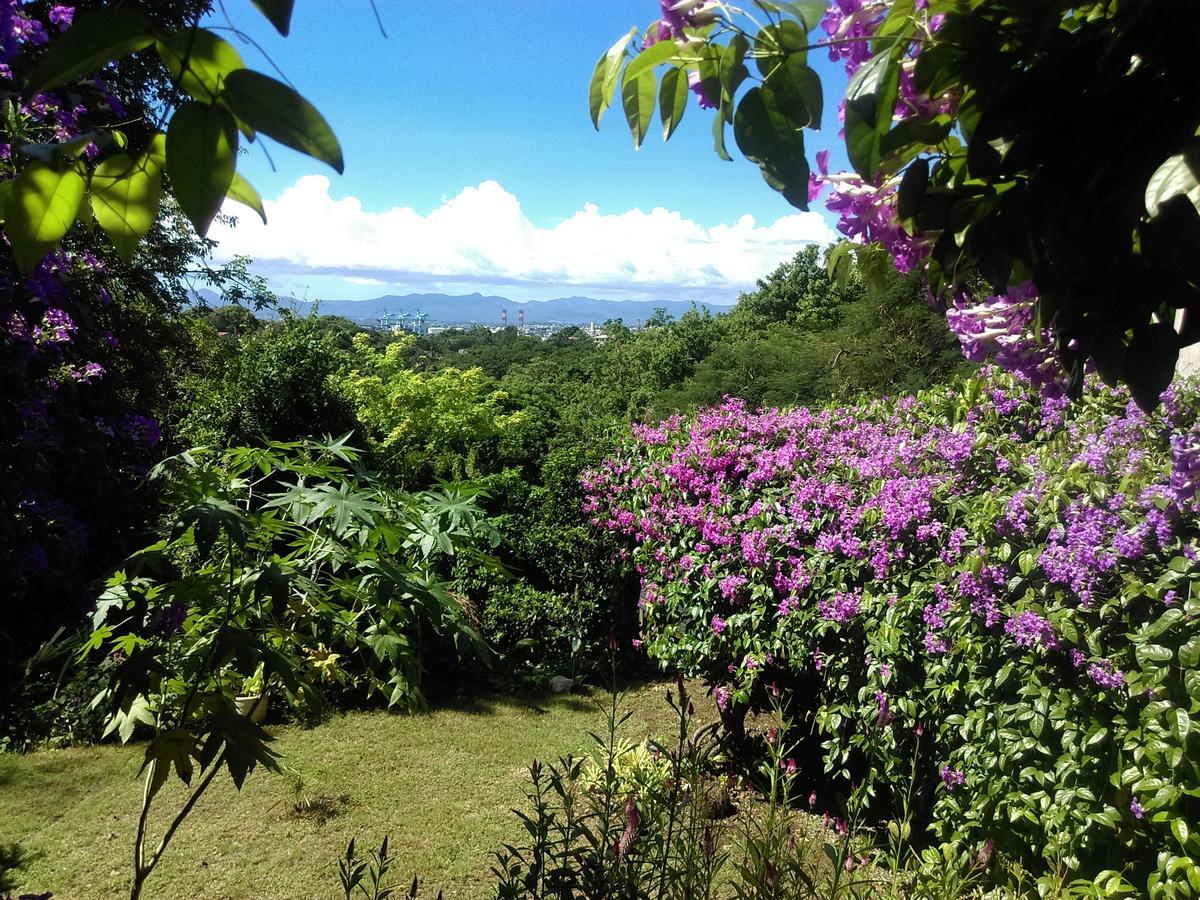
{"points": [[483, 236]]}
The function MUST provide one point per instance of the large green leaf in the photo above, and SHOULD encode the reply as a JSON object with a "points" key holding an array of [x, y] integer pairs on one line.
{"points": [[796, 91], [93, 40], [200, 61], [279, 12], [808, 12], [672, 100], [870, 100], [244, 192], [604, 77], [169, 748], [637, 97], [279, 112], [768, 137], [1180, 174], [125, 193], [41, 207], [648, 59], [202, 144]]}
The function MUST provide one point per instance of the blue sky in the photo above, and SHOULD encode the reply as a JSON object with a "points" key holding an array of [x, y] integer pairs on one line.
{"points": [[471, 163]]}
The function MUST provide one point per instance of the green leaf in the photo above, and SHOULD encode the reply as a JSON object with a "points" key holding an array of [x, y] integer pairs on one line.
{"points": [[202, 142], [672, 100], [200, 61], [1189, 653], [795, 89], [1181, 724], [637, 96], [604, 77], [245, 746], [58, 152], [170, 748], [1179, 174], [278, 12], [40, 209], [92, 40], [837, 264], [1151, 654], [244, 192], [125, 719], [768, 137], [875, 264], [870, 100], [646, 60], [125, 193], [809, 12], [732, 71], [1179, 828], [908, 200], [279, 112]]}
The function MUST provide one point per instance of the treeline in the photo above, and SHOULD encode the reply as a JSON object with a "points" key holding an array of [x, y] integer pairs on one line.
{"points": [[522, 416]]}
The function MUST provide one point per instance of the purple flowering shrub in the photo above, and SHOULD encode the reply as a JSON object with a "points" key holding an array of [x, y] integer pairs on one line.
{"points": [[990, 579], [75, 441]]}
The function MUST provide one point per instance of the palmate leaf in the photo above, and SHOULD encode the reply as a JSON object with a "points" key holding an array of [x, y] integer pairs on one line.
{"points": [[279, 112], [244, 743], [124, 720], [174, 748], [209, 518]]}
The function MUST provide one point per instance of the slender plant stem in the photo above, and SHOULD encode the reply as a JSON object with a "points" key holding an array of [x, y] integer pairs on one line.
{"points": [[141, 872]]}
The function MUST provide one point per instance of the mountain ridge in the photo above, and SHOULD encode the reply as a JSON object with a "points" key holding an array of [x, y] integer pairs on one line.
{"points": [[480, 309]]}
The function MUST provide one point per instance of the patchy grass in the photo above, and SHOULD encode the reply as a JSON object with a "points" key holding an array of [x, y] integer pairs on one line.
{"points": [[441, 785]]}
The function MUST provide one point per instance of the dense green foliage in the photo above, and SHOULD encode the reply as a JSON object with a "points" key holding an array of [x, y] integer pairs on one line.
{"points": [[981, 138], [523, 417]]}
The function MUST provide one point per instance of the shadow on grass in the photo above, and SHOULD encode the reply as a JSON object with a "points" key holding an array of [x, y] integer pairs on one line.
{"points": [[13, 858], [583, 698]]}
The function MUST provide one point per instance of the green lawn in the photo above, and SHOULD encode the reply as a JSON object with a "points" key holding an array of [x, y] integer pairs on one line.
{"points": [[441, 785]]}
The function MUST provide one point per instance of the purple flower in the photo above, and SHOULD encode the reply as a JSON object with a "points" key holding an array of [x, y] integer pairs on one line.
{"points": [[62, 16], [143, 429], [883, 717], [1135, 807], [1103, 673], [696, 86], [718, 625], [721, 695], [842, 608], [952, 778], [1029, 629]]}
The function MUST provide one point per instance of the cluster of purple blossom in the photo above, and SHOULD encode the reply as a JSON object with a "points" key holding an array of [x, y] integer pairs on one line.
{"points": [[773, 530]]}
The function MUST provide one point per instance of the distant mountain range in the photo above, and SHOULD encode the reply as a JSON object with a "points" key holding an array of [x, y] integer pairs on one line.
{"points": [[481, 310]]}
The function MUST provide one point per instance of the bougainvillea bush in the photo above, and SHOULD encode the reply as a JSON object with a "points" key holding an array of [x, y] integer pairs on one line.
{"points": [[995, 583]]}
